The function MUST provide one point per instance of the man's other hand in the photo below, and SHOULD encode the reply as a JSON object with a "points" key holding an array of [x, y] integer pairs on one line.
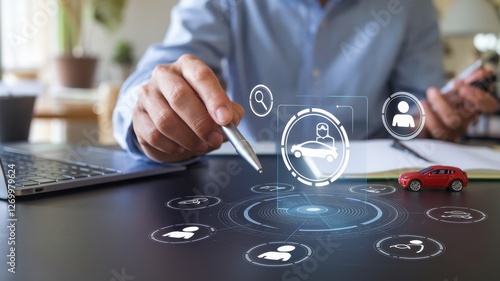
{"points": [[448, 115]]}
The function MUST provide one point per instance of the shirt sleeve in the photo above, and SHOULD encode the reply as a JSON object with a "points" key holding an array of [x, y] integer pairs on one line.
{"points": [[419, 64], [197, 27]]}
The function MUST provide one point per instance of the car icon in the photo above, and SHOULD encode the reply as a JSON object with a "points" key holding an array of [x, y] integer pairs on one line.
{"points": [[272, 187], [194, 201], [315, 149], [435, 176]]}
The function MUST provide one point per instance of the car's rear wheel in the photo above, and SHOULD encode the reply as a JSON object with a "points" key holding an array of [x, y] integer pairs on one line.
{"points": [[415, 185], [297, 154], [456, 185]]}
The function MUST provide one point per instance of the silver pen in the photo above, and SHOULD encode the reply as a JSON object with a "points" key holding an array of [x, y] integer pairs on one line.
{"points": [[468, 71], [242, 146]]}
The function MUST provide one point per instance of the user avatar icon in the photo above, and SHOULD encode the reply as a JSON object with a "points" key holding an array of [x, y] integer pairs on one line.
{"points": [[403, 120], [416, 243], [323, 134], [186, 233], [397, 120], [283, 253]]}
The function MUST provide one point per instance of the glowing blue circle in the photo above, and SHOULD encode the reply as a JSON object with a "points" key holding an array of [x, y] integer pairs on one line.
{"points": [[311, 211]]}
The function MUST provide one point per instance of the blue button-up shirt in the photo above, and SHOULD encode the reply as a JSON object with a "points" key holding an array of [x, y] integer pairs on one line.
{"points": [[370, 48]]}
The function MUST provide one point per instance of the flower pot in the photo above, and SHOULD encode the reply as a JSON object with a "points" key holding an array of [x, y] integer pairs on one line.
{"points": [[76, 72]]}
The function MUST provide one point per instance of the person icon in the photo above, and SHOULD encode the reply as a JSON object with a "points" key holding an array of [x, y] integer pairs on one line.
{"points": [[403, 120], [283, 253], [323, 135], [186, 233], [417, 243]]}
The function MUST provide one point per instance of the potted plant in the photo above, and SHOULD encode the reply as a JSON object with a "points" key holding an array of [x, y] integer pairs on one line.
{"points": [[123, 57], [75, 67]]}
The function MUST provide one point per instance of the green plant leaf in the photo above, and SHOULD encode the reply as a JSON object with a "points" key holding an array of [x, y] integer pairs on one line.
{"points": [[70, 22], [123, 53], [108, 13]]}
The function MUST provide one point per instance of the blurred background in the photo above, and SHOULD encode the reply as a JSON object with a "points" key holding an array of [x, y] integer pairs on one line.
{"points": [[73, 56]]}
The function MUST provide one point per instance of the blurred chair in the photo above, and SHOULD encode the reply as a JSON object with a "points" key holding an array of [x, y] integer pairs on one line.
{"points": [[108, 95]]}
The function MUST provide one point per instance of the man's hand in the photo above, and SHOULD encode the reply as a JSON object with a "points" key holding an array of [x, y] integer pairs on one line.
{"points": [[449, 115], [180, 110]]}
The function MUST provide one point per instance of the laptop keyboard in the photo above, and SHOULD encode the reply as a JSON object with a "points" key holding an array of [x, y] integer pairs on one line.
{"points": [[33, 170]]}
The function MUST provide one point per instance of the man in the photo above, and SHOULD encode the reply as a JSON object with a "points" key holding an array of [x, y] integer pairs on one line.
{"points": [[216, 51]]}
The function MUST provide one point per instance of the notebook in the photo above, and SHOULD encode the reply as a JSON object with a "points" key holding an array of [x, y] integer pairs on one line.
{"points": [[380, 159], [28, 169]]}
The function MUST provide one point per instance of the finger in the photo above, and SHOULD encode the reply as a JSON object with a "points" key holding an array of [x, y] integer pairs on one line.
{"points": [[154, 145], [164, 150], [187, 106], [161, 157], [478, 75], [434, 128], [145, 136], [238, 113], [477, 101], [443, 109], [170, 124], [453, 96], [206, 84]]}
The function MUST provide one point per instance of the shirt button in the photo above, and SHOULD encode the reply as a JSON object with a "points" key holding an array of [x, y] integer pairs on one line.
{"points": [[316, 73]]}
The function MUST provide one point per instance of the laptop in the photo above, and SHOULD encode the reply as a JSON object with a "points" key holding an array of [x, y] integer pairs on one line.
{"points": [[28, 169]]}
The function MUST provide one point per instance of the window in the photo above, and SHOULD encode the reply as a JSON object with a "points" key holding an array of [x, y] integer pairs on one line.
{"points": [[25, 33]]}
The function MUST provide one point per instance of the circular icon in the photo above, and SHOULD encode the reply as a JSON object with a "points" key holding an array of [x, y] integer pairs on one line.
{"points": [[182, 233], [452, 214], [193, 202], [315, 147], [261, 100], [409, 247], [277, 254], [312, 215], [375, 189], [397, 118], [272, 188]]}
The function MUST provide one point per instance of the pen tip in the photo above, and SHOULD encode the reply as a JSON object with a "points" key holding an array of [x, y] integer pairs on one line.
{"points": [[261, 171]]}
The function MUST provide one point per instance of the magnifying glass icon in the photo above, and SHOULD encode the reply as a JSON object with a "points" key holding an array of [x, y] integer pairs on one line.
{"points": [[259, 98], [261, 94]]}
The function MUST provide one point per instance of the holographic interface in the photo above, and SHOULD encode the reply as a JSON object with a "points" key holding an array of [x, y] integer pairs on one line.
{"points": [[319, 142], [403, 116], [314, 139]]}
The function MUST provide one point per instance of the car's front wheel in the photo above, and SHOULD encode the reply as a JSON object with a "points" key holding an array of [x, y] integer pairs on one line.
{"points": [[329, 158], [456, 185], [297, 154], [415, 185]]}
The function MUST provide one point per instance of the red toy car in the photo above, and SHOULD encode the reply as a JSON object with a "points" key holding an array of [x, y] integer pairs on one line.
{"points": [[435, 176]]}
